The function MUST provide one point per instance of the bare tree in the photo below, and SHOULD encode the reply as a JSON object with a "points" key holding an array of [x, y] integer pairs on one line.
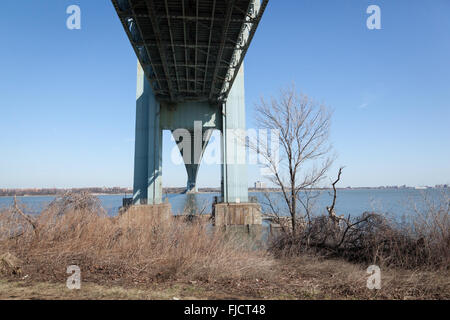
{"points": [[331, 212], [303, 150]]}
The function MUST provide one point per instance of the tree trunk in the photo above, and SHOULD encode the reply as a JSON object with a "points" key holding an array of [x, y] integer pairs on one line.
{"points": [[293, 212]]}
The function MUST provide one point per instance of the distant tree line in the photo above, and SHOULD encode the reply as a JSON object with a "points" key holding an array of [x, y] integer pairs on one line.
{"points": [[56, 191]]}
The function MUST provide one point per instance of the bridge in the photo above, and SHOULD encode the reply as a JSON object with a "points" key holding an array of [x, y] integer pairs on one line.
{"points": [[190, 80]]}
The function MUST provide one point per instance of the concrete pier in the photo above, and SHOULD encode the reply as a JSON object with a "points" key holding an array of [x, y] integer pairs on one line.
{"points": [[162, 212], [241, 218]]}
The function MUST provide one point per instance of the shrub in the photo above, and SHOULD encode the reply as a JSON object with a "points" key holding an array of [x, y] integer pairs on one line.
{"points": [[422, 242]]}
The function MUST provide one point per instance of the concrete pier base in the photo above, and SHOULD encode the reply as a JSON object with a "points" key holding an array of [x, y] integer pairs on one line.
{"points": [[275, 230], [161, 212], [240, 218], [225, 214], [245, 232]]}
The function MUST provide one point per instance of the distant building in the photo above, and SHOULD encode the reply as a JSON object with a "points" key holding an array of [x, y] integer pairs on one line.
{"points": [[260, 185]]}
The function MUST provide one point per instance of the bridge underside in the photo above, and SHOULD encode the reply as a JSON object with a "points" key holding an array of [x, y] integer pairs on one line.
{"points": [[190, 70], [190, 49]]}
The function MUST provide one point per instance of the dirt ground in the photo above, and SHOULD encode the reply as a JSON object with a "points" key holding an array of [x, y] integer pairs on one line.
{"points": [[300, 278]]}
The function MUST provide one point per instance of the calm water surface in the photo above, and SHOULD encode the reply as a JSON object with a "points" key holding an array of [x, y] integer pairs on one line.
{"points": [[396, 202]]}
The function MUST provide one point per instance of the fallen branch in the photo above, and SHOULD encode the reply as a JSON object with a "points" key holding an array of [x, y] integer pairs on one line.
{"points": [[331, 211], [25, 216]]}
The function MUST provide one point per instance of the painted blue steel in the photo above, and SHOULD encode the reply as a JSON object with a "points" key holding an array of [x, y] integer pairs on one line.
{"points": [[183, 65], [187, 106], [185, 114], [141, 139], [152, 117], [193, 166], [234, 171], [147, 187]]}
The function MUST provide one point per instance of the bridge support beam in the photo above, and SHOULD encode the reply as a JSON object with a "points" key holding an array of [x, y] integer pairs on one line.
{"points": [[196, 155], [235, 212], [191, 124], [234, 168], [147, 188]]}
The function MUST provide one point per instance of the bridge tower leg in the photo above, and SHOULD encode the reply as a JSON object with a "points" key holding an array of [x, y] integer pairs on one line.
{"points": [[236, 212], [141, 144], [147, 186], [234, 167]]}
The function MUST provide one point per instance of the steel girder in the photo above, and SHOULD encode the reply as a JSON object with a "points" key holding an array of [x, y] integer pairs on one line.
{"points": [[190, 50]]}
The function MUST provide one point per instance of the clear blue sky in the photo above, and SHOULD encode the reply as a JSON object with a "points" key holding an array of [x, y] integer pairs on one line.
{"points": [[67, 97]]}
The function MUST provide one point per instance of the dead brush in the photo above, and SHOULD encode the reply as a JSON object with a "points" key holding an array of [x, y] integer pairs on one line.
{"points": [[74, 229], [423, 242]]}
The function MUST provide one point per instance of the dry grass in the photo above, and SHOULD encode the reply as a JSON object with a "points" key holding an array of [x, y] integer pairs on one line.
{"points": [[74, 230], [22, 290], [135, 257], [313, 277], [303, 277], [420, 243]]}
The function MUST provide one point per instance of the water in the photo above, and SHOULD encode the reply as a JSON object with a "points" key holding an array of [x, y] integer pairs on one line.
{"points": [[395, 202]]}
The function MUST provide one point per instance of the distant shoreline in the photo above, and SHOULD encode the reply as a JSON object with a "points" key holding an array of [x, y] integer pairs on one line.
{"points": [[176, 190]]}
